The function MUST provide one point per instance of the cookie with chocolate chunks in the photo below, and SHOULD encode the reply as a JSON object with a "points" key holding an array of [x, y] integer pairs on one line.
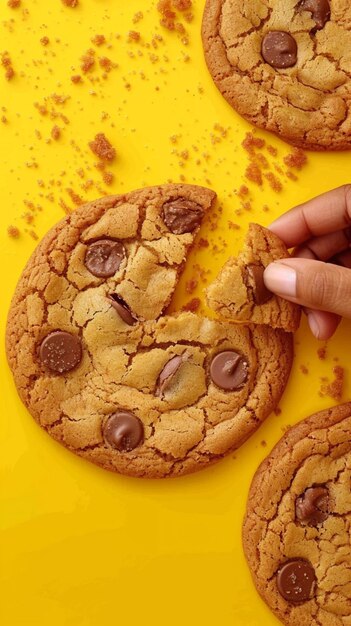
{"points": [[296, 532], [106, 371], [284, 66], [239, 292]]}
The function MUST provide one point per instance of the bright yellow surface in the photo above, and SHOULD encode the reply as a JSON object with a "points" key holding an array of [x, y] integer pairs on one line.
{"points": [[80, 546]]}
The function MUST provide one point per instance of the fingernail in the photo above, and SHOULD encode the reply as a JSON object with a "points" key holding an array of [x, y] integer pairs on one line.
{"points": [[314, 325], [281, 279]]}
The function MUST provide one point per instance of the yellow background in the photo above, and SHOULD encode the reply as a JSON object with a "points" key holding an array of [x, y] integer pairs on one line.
{"points": [[80, 546]]}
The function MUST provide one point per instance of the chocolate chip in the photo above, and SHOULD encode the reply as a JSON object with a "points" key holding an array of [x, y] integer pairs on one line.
{"points": [[104, 257], [260, 292], [61, 352], [320, 10], [167, 374], [182, 215], [229, 370], [295, 580], [124, 431], [122, 309], [312, 507], [279, 49]]}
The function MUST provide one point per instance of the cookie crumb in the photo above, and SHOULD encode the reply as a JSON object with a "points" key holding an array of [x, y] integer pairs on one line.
{"points": [[191, 285], [87, 61], [250, 143], [134, 35], [98, 40], [56, 133], [335, 388], [45, 41], [304, 369], [243, 191], [76, 78], [7, 64], [273, 181], [13, 232], [263, 443], [192, 306], [322, 353], [14, 4], [254, 174], [70, 3], [297, 158], [102, 148], [137, 17]]}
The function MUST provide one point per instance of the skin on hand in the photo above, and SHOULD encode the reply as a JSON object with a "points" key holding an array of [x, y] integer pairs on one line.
{"points": [[319, 275]]}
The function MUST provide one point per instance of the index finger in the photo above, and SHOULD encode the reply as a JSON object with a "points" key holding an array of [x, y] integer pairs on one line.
{"points": [[325, 214]]}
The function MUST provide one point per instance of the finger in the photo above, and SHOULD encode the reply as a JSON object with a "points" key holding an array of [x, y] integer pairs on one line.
{"points": [[325, 214], [324, 247], [322, 324], [317, 285]]}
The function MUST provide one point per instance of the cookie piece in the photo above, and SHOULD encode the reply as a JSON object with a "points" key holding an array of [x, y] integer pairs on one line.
{"points": [[103, 369], [239, 293], [296, 532], [284, 66]]}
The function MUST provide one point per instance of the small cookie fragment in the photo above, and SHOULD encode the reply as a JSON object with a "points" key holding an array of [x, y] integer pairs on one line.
{"points": [[239, 293], [102, 147]]}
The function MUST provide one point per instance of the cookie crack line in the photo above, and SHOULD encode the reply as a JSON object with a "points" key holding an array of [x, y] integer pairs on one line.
{"points": [[103, 376]]}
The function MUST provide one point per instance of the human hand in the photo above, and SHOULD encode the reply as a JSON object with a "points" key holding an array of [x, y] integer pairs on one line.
{"points": [[319, 277]]}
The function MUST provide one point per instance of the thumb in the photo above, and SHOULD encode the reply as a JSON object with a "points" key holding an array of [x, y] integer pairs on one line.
{"points": [[312, 284]]}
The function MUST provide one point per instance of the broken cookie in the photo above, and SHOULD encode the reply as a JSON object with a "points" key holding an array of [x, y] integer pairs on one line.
{"points": [[239, 292], [106, 372]]}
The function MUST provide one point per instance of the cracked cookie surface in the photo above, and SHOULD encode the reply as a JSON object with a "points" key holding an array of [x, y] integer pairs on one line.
{"points": [[285, 66], [106, 372], [239, 293], [296, 532]]}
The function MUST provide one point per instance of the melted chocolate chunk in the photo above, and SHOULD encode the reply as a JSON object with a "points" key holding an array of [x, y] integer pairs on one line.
{"points": [[320, 10], [167, 374], [124, 431], [279, 49], [104, 257], [296, 580], [312, 507], [260, 292], [60, 351], [228, 370], [122, 309], [182, 215]]}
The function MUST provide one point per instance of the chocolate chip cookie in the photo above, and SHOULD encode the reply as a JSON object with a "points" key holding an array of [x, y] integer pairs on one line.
{"points": [[285, 66], [101, 366], [239, 292], [297, 528]]}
